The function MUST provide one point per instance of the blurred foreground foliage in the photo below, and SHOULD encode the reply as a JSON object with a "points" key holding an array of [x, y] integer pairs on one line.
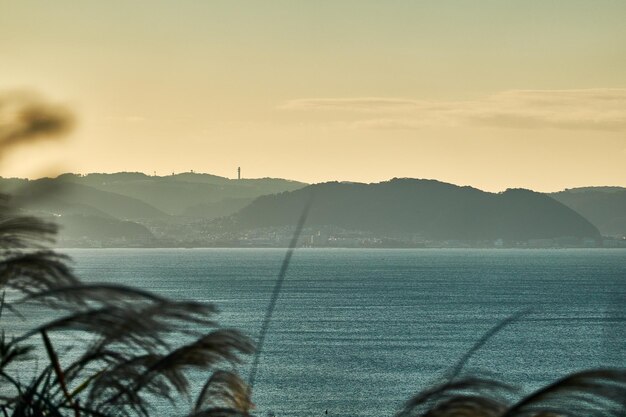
{"points": [[129, 349]]}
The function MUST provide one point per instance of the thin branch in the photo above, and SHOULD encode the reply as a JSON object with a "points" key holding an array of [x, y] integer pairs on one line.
{"points": [[275, 293], [58, 371], [454, 372]]}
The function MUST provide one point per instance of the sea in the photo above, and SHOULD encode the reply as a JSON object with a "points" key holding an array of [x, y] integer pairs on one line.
{"points": [[357, 332]]}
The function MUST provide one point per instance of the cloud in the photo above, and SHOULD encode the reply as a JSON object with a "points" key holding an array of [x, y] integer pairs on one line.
{"points": [[133, 119], [588, 109], [586, 121], [360, 104], [387, 124]]}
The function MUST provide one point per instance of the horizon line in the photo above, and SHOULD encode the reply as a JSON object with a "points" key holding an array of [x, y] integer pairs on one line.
{"points": [[192, 172]]}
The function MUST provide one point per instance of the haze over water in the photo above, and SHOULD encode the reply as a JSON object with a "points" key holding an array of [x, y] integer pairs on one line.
{"points": [[358, 332]]}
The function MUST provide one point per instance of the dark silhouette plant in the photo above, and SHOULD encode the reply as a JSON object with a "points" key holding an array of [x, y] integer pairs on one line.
{"points": [[125, 360], [590, 393]]}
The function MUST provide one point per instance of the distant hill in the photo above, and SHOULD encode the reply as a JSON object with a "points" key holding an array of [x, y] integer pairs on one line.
{"points": [[217, 209], [177, 194], [605, 207], [60, 197], [81, 230], [428, 208], [192, 209], [129, 209]]}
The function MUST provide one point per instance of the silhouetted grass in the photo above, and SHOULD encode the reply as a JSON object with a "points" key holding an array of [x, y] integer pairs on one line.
{"points": [[590, 393], [125, 360]]}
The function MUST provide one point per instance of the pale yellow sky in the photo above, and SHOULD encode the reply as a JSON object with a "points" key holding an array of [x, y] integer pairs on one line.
{"points": [[493, 94]]}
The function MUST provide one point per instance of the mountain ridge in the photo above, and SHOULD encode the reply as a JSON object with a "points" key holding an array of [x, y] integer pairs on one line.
{"points": [[603, 206], [430, 208], [189, 209]]}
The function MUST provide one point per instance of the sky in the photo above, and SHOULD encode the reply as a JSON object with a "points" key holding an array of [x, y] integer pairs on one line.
{"points": [[494, 94]]}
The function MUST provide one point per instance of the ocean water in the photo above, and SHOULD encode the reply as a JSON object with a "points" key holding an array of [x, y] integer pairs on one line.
{"points": [[357, 332]]}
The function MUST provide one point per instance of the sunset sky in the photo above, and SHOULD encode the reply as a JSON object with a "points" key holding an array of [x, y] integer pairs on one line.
{"points": [[493, 94]]}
